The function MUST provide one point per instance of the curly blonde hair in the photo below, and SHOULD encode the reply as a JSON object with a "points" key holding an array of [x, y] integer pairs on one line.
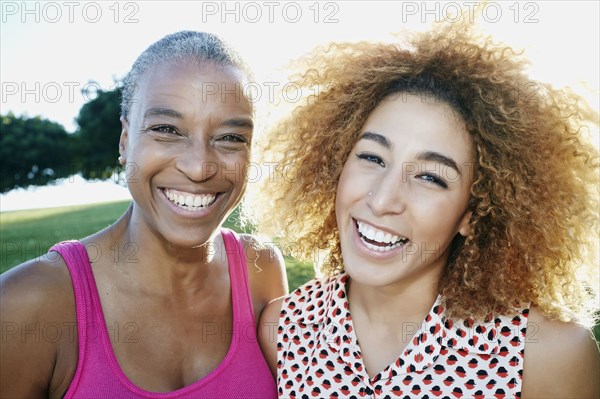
{"points": [[535, 192]]}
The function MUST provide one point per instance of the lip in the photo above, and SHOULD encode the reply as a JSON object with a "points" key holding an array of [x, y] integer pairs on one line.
{"points": [[190, 214], [367, 252]]}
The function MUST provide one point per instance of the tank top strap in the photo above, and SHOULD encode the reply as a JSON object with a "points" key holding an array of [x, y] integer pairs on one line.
{"points": [[78, 264], [238, 275]]}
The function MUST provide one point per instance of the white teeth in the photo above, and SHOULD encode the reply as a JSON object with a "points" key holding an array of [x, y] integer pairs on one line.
{"points": [[380, 248], [380, 236], [367, 231], [388, 238], [198, 201], [190, 202]]}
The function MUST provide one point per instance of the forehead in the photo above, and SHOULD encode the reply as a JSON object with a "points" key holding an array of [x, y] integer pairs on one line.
{"points": [[191, 83], [420, 123]]}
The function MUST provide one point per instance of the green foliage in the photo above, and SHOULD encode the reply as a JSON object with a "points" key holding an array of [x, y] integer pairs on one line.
{"points": [[36, 151], [33, 151], [98, 135], [596, 329], [298, 272]]}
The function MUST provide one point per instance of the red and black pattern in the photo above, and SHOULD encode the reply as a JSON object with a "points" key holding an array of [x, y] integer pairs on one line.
{"points": [[319, 356]]}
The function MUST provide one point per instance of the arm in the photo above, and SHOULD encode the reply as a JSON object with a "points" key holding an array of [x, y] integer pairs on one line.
{"points": [[561, 360], [37, 319], [267, 333]]}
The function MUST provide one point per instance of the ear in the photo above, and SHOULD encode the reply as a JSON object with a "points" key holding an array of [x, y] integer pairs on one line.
{"points": [[123, 140], [464, 228]]}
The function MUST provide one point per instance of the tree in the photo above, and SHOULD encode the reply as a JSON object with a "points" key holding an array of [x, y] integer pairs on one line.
{"points": [[98, 135], [36, 151], [33, 151]]}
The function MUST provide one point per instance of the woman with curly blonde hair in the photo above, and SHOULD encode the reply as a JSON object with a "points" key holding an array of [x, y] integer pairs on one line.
{"points": [[457, 202]]}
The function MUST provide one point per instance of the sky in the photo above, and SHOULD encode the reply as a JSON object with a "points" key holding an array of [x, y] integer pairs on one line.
{"points": [[50, 51]]}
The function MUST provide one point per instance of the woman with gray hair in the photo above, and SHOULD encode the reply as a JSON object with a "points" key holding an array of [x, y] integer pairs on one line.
{"points": [[178, 317]]}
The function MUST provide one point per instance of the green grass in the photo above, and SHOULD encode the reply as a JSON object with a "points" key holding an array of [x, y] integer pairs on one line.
{"points": [[28, 234]]}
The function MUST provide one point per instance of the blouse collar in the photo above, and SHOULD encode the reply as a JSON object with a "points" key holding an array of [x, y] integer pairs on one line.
{"points": [[327, 304]]}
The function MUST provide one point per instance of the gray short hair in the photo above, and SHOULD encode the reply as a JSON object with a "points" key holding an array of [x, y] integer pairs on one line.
{"points": [[178, 46]]}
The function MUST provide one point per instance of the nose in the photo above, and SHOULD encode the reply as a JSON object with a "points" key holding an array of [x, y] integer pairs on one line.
{"points": [[197, 161], [387, 195]]}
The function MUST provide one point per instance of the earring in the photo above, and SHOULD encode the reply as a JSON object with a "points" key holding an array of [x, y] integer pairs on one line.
{"points": [[370, 193], [121, 160]]}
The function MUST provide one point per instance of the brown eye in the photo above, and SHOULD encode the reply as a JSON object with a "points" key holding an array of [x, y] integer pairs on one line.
{"points": [[167, 129], [235, 138], [371, 158], [429, 178]]}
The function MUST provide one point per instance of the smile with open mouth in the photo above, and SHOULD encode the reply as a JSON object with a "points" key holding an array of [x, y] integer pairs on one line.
{"points": [[188, 201], [379, 240]]}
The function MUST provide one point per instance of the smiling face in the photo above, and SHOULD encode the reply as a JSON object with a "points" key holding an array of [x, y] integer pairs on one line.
{"points": [[186, 142], [404, 191]]}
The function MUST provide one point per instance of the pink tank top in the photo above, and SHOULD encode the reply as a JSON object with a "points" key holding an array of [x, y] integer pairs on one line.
{"points": [[243, 373]]}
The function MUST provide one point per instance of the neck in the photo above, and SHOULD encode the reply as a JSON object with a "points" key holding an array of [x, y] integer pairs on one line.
{"points": [[395, 303], [150, 262]]}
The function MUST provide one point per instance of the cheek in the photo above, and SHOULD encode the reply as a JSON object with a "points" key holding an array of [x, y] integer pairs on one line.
{"points": [[235, 166], [439, 221], [341, 192], [148, 151]]}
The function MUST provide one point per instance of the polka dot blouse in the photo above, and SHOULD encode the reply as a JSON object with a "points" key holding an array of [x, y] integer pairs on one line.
{"points": [[318, 355]]}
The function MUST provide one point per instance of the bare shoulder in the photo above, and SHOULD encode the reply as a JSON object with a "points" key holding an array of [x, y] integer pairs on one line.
{"points": [[36, 287], [270, 315], [266, 269], [38, 319], [262, 253], [267, 332], [561, 360]]}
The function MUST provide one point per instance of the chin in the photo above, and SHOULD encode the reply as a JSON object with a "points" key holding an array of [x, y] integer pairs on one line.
{"points": [[370, 276], [190, 238]]}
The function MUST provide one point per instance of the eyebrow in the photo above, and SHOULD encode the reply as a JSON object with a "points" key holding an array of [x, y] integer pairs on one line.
{"points": [[239, 122], [376, 137], [160, 111], [437, 157]]}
